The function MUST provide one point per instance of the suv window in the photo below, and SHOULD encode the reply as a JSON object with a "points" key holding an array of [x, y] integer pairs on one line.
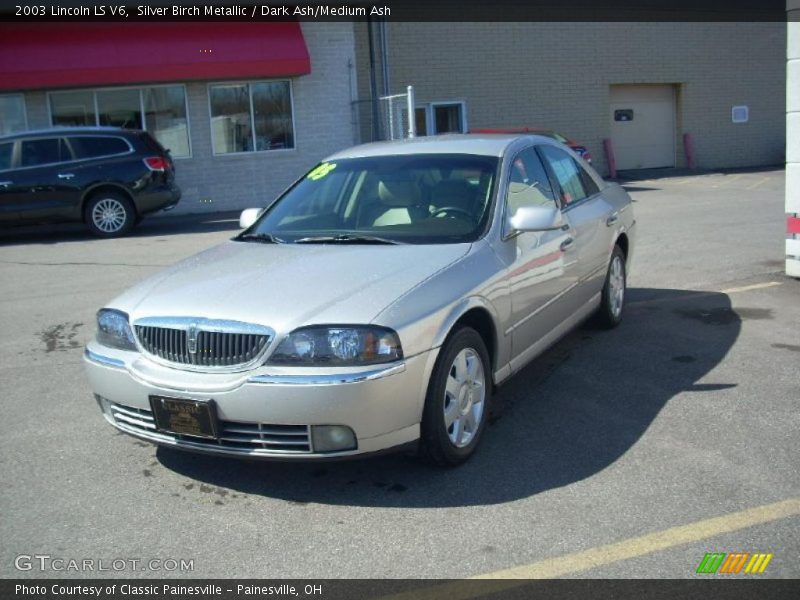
{"points": [[528, 184], [95, 146], [6, 152], [44, 152], [567, 173]]}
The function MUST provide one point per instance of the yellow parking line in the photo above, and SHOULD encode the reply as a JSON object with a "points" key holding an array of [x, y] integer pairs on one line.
{"points": [[653, 542], [610, 553], [747, 288], [697, 295], [733, 178], [757, 183]]}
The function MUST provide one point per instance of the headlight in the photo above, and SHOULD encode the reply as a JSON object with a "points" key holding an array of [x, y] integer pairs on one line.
{"points": [[113, 330], [346, 346]]}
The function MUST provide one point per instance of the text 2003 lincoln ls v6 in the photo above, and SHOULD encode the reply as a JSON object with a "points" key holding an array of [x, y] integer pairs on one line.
{"points": [[372, 306]]}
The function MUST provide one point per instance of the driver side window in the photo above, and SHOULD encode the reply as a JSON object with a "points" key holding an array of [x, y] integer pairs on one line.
{"points": [[528, 184]]}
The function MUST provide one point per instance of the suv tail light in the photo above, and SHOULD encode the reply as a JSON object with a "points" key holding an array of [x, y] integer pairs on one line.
{"points": [[157, 163]]}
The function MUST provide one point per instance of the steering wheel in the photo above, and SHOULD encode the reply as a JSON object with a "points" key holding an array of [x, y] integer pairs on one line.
{"points": [[451, 209]]}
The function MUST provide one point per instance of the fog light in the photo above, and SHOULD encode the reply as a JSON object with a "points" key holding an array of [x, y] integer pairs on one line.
{"points": [[330, 438]]}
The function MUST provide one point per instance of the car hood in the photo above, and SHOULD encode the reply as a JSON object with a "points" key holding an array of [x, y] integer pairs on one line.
{"points": [[285, 286]]}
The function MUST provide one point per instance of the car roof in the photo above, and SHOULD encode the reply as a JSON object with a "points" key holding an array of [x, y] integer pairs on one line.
{"points": [[480, 144], [498, 130], [68, 130]]}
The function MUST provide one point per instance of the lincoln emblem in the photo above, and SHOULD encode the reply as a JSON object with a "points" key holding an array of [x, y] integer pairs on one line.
{"points": [[191, 337]]}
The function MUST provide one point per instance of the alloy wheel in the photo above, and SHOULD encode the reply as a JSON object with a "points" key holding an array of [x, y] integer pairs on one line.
{"points": [[109, 215], [465, 392]]}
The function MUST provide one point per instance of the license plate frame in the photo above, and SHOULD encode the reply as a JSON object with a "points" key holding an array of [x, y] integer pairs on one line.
{"points": [[185, 416]]}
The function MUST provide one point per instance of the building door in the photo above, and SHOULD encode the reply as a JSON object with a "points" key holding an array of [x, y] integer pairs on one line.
{"points": [[643, 126]]}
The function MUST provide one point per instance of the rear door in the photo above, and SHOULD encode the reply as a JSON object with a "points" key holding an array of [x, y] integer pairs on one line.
{"points": [[43, 187], [588, 213], [9, 212]]}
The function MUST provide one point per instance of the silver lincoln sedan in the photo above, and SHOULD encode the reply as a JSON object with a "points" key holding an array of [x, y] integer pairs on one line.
{"points": [[374, 305]]}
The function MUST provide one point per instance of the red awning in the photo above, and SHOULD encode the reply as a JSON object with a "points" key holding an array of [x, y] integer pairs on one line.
{"points": [[58, 55]]}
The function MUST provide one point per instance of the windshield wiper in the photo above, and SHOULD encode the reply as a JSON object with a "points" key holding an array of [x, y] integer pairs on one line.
{"points": [[264, 238], [345, 238]]}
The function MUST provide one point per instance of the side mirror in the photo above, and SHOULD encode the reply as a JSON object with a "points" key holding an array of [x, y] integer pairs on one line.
{"points": [[248, 217], [537, 218]]}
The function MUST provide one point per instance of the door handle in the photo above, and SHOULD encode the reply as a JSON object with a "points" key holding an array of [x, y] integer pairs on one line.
{"points": [[567, 243], [612, 219], [66, 175], [5, 183]]}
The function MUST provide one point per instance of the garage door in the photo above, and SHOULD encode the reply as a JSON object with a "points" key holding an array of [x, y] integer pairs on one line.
{"points": [[643, 126]]}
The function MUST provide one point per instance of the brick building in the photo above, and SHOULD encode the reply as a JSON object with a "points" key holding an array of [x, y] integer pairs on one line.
{"points": [[658, 80], [247, 107]]}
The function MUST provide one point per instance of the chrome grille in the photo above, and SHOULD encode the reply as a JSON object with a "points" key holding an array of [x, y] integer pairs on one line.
{"points": [[195, 346], [250, 438]]}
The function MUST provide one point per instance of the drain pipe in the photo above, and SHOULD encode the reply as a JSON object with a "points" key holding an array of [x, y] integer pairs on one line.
{"points": [[382, 34], [373, 84]]}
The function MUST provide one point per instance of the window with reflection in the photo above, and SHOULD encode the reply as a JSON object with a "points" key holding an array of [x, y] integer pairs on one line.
{"points": [[161, 110], [528, 184], [72, 109], [251, 117], [12, 114], [120, 108], [567, 173], [165, 117]]}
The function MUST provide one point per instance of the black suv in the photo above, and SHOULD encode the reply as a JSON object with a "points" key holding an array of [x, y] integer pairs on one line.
{"points": [[107, 177]]}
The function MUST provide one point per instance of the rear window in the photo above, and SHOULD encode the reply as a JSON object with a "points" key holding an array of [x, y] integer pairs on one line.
{"points": [[153, 143], [44, 152], [6, 151], [96, 146]]}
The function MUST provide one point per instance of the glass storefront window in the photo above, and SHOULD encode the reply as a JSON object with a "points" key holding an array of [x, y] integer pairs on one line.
{"points": [[272, 115], [231, 127], [251, 117], [72, 109], [119, 108], [12, 114], [165, 118], [164, 112]]}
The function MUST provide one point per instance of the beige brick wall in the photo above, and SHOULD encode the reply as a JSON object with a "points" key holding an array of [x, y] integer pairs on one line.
{"points": [[557, 75]]}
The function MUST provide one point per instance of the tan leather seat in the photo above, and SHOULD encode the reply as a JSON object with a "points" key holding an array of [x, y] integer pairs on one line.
{"points": [[399, 202]]}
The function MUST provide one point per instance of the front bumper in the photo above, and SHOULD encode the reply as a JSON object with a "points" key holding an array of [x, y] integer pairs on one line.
{"points": [[268, 412]]}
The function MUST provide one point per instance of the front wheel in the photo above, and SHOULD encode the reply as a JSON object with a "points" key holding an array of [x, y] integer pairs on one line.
{"points": [[457, 403], [609, 315], [110, 214]]}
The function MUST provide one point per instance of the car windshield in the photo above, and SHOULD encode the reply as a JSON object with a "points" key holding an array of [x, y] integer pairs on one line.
{"points": [[407, 199]]}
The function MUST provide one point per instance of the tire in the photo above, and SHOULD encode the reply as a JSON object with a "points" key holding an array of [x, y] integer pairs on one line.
{"points": [[109, 214], [457, 403], [612, 303]]}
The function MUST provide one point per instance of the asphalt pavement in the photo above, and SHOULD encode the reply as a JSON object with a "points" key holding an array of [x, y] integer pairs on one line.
{"points": [[677, 421]]}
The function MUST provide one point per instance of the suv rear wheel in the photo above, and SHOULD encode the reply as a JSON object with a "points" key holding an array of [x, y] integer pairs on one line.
{"points": [[110, 214]]}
